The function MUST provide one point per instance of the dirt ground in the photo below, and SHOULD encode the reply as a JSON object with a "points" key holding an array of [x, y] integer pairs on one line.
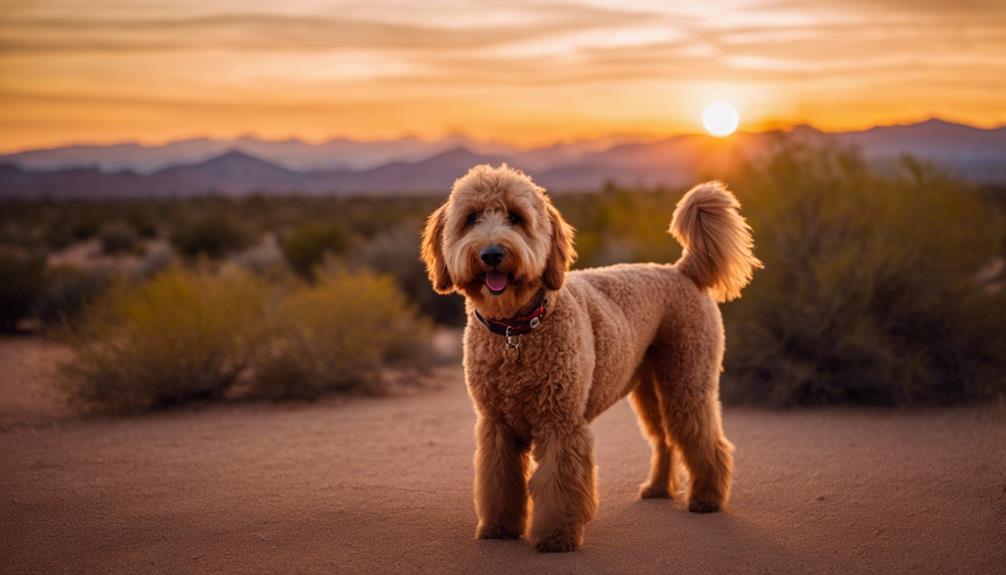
{"points": [[383, 485]]}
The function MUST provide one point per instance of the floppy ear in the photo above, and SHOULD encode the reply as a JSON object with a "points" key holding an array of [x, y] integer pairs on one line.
{"points": [[561, 253], [433, 252]]}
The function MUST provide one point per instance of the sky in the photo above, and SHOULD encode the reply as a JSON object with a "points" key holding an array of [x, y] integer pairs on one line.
{"points": [[523, 72]]}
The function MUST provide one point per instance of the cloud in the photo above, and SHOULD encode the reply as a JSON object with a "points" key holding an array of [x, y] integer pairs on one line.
{"points": [[264, 31], [497, 62]]}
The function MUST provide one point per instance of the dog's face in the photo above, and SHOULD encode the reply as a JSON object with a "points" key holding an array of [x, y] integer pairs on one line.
{"points": [[497, 240]]}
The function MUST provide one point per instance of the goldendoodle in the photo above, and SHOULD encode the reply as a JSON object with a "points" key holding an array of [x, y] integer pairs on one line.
{"points": [[547, 350]]}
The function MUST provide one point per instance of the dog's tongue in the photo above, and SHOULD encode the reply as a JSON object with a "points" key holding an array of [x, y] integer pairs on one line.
{"points": [[496, 280]]}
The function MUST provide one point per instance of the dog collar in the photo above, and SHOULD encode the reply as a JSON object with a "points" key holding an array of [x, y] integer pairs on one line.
{"points": [[519, 324]]}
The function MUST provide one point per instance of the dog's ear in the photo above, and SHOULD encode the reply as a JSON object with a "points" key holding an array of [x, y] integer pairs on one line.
{"points": [[432, 252], [561, 253]]}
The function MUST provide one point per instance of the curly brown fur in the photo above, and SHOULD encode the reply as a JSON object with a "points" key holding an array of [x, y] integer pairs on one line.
{"points": [[649, 330]]}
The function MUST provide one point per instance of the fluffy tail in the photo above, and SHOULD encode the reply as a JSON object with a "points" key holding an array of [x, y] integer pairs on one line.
{"points": [[717, 240]]}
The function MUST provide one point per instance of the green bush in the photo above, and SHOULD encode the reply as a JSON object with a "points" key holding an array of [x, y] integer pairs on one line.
{"points": [[182, 336], [616, 226], [119, 238], [337, 335], [68, 291], [307, 245], [214, 235], [22, 279], [869, 292]]}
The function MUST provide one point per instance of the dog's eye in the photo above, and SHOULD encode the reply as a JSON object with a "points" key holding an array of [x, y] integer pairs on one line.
{"points": [[515, 219], [472, 218]]}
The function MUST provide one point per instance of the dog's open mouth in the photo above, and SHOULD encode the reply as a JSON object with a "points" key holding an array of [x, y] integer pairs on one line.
{"points": [[497, 281]]}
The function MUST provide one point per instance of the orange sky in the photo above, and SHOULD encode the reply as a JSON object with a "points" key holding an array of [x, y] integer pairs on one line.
{"points": [[524, 72]]}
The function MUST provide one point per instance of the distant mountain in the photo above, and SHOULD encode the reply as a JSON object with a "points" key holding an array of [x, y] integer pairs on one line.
{"points": [[293, 154], [231, 173], [972, 152], [432, 174], [412, 166]]}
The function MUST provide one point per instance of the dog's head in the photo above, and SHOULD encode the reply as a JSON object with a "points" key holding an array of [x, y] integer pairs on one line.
{"points": [[497, 239]]}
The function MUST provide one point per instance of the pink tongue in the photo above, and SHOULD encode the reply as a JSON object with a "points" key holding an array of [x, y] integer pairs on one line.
{"points": [[496, 280]]}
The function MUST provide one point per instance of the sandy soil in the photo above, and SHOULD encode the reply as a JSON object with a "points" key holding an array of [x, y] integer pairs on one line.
{"points": [[384, 486]]}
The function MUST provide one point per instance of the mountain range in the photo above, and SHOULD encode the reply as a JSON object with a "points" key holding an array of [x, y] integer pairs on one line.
{"points": [[249, 165]]}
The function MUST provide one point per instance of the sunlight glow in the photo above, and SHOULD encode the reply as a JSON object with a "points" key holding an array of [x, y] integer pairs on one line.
{"points": [[720, 119], [106, 71]]}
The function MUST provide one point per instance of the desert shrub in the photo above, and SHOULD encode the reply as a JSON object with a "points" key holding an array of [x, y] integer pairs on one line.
{"points": [[68, 291], [184, 335], [396, 254], [154, 262], [869, 292], [22, 279], [119, 238], [143, 223], [85, 225], [337, 334], [70, 225], [617, 225], [214, 235], [307, 245], [20, 235], [57, 236]]}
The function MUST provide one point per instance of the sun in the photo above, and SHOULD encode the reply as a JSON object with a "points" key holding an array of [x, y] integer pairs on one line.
{"points": [[720, 119]]}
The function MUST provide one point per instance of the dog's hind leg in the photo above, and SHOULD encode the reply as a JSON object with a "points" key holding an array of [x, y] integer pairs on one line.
{"points": [[646, 403], [562, 487], [688, 386], [501, 466]]}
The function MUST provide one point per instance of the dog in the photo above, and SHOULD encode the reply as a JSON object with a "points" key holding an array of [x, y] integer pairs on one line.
{"points": [[546, 350]]}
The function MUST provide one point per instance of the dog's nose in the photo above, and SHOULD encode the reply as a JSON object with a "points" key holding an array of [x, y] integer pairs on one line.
{"points": [[491, 255]]}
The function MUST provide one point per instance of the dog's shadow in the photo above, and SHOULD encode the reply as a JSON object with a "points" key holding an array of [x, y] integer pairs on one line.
{"points": [[657, 535]]}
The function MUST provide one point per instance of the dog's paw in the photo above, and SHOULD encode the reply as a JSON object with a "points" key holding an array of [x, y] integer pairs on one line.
{"points": [[702, 506], [557, 543], [651, 491], [494, 531]]}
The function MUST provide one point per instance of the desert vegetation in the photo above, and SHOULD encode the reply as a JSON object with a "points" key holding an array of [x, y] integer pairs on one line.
{"points": [[23, 273], [184, 335], [340, 333], [883, 285], [305, 246], [873, 289], [214, 235], [200, 332]]}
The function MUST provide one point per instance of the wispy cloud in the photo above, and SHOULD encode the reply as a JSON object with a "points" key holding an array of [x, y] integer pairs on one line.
{"points": [[264, 31]]}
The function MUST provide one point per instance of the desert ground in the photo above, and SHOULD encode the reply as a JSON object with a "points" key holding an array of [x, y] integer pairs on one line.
{"points": [[383, 485]]}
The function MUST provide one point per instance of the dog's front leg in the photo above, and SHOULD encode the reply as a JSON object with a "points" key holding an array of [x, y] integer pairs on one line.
{"points": [[501, 464], [562, 487]]}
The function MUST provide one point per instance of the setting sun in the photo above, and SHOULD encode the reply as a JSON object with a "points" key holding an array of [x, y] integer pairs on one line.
{"points": [[720, 118]]}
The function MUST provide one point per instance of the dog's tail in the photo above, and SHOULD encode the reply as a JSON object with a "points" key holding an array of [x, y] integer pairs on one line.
{"points": [[717, 240]]}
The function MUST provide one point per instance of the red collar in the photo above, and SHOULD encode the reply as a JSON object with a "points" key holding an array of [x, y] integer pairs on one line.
{"points": [[519, 324]]}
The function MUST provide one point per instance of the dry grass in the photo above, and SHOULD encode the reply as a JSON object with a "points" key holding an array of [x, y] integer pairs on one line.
{"points": [[337, 334], [184, 335], [194, 333]]}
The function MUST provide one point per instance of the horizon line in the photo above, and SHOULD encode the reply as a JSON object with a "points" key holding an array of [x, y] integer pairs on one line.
{"points": [[770, 127]]}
